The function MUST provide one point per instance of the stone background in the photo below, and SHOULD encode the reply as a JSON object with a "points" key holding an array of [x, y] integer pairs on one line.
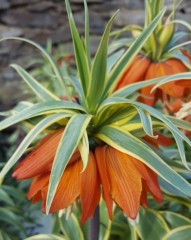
{"points": [[40, 20]]}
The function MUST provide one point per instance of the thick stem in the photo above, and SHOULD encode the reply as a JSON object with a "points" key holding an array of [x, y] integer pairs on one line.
{"points": [[94, 226]]}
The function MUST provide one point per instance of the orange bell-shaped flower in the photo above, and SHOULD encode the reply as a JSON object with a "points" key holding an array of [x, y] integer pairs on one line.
{"points": [[124, 179]]}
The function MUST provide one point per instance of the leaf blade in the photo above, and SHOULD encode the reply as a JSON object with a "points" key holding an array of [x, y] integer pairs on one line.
{"points": [[37, 88], [66, 147], [40, 109], [28, 139]]}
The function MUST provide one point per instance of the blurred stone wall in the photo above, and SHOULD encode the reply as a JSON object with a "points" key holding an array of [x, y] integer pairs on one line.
{"points": [[40, 20]]}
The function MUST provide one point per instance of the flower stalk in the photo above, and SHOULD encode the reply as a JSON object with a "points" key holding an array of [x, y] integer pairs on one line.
{"points": [[94, 225]]}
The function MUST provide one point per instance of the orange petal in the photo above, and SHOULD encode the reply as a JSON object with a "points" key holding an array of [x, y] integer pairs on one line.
{"points": [[151, 141], [149, 98], [184, 83], [161, 140], [102, 167], [150, 177], [90, 189], [37, 184], [37, 197], [143, 199], [125, 181], [135, 72], [68, 189], [182, 68], [41, 158], [172, 66]]}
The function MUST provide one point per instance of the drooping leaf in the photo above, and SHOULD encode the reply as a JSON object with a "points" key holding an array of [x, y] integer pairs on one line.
{"points": [[131, 88], [181, 149], [180, 123], [36, 87], [42, 125], [40, 109], [48, 57], [147, 122], [186, 76], [18, 108], [73, 133]]}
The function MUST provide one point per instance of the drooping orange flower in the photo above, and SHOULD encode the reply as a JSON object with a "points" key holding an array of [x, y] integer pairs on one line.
{"points": [[143, 68], [124, 179]]}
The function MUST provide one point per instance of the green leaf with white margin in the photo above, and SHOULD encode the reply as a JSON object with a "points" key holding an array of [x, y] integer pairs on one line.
{"points": [[48, 57], [4, 197], [184, 23], [182, 76], [87, 33], [175, 220], [19, 107], [70, 139], [171, 190], [181, 149], [80, 54], [127, 143], [71, 227], [178, 46], [113, 58], [164, 119], [36, 87], [131, 88], [147, 122], [83, 147], [42, 125], [151, 225], [129, 55], [41, 109], [180, 123], [46, 237], [99, 69], [180, 233]]}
